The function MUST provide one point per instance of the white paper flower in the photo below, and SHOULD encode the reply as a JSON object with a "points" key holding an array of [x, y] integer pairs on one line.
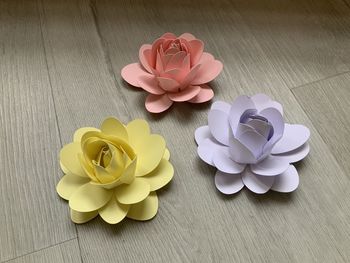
{"points": [[250, 144]]}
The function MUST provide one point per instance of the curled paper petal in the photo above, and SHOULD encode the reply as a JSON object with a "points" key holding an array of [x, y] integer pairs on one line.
{"points": [[114, 172], [176, 68], [261, 146]]}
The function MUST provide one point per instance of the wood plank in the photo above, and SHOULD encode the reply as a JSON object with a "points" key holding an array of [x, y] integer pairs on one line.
{"points": [[67, 252], [195, 222], [305, 40], [32, 216], [327, 105]]}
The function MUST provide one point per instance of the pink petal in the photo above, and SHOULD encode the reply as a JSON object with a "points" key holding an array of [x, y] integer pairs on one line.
{"points": [[287, 181], [186, 64], [185, 95], [294, 136], [190, 76], [196, 50], [149, 83], [175, 74], [270, 166], [168, 35], [145, 57], [205, 56], [187, 36], [224, 163], [228, 183], [176, 60], [205, 94], [155, 46], [132, 72], [239, 153], [257, 184], [262, 101], [159, 64], [297, 154], [208, 71], [219, 126], [157, 103], [168, 84]]}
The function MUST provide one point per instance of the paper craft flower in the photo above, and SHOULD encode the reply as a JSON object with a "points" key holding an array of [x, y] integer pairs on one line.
{"points": [[249, 143], [114, 172], [173, 69]]}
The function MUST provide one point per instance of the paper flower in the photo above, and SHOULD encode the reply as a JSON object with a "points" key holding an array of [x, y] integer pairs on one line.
{"points": [[173, 69], [249, 143], [114, 172]]}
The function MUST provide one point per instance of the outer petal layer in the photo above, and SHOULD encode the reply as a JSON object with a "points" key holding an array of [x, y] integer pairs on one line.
{"points": [[286, 182], [205, 94], [144, 210], [160, 176], [157, 104], [228, 183], [257, 183], [132, 193], [81, 217], [69, 184], [132, 73], [208, 71], [113, 212], [69, 159]]}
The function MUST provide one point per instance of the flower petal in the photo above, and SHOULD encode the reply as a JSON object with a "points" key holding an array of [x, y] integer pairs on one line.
{"points": [[160, 176], [144, 210], [196, 50], [208, 71], [297, 154], [82, 217], [262, 127], [157, 104], [89, 198], [185, 95], [270, 166], [166, 155], [113, 212], [207, 148], [69, 184], [239, 153], [168, 35], [206, 56], [80, 132], [187, 36], [150, 84], [294, 136], [225, 164], [239, 106], [287, 181], [114, 127], [219, 126], [132, 72], [205, 94], [228, 183], [257, 184], [190, 76], [132, 193], [262, 101], [138, 130], [149, 153], [201, 134], [168, 84], [254, 142], [176, 60], [221, 105], [145, 54], [69, 159]]}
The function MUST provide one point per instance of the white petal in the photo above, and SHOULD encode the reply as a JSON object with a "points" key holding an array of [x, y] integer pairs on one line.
{"points": [[294, 136], [221, 105], [257, 183], [239, 153], [228, 183], [201, 134], [207, 149], [239, 106], [297, 154], [224, 163], [262, 101], [254, 141], [286, 182], [219, 126], [270, 166]]}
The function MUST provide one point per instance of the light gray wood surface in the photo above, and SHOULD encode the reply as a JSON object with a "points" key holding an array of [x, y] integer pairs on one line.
{"points": [[60, 70]]}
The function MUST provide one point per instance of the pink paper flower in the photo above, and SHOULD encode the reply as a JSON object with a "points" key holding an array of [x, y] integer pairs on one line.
{"points": [[250, 144], [173, 69]]}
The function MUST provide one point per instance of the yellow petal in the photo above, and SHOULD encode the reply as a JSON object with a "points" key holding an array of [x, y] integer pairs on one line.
{"points": [[113, 212], [89, 198], [80, 218], [137, 130], [80, 132], [132, 193], [144, 210], [160, 176], [149, 153], [69, 159], [114, 127], [102, 175], [69, 184], [166, 155]]}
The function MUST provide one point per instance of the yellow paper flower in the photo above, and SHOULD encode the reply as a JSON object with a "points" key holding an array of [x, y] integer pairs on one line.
{"points": [[114, 172]]}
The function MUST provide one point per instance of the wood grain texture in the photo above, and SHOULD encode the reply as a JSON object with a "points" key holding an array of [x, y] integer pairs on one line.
{"points": [[327, 103], [195, 223], [305, 40], [32, 216], [67, 252]]}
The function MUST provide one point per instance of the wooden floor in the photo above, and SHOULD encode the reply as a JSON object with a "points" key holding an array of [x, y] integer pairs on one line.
{"points": [[60, 65]]}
